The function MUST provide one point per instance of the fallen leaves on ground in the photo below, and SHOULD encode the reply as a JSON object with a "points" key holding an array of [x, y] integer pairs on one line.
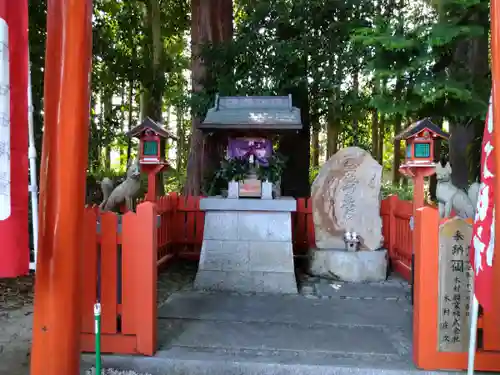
{"points": [[17, 292]]}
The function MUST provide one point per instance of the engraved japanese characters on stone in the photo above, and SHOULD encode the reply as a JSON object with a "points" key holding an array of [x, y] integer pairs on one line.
{"points": [[346, 197]]}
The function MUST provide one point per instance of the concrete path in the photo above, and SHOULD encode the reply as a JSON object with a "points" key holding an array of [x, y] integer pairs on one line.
{"points": [[336, 329]]}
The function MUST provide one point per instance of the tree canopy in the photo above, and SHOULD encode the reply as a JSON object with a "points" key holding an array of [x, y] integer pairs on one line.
{"points": [[359, 70]]}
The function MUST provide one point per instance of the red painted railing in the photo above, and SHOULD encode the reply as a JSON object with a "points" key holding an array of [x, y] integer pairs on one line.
{"points": [[123, 253], [119, 268], [182, 222], [396, 215]]}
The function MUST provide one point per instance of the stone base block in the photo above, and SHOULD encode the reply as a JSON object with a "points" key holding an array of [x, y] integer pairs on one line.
{"points": [[247, 251], [359, 266], [247, 281]]}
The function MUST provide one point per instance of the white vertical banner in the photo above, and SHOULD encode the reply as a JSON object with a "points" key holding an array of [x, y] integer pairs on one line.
{"points": [[5, 198]]}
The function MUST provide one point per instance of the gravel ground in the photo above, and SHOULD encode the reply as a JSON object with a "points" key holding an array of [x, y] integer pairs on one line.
{"points": [[16, 314]]}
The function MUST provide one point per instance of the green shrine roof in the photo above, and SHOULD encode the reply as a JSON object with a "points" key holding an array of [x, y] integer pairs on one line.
{"points": [[253, 112]]}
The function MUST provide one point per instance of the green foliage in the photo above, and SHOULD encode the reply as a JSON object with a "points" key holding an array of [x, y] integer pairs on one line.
{"points": [[405, 59], [121, 72], [404, 192], [274, 170], [234, 169], [174, 180], [313, 173]]}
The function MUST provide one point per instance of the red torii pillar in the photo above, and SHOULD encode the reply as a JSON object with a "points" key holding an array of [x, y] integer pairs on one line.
{"points": [[57, 318]]}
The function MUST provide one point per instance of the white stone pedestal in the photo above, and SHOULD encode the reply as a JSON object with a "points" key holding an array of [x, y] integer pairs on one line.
{"points": [[356, 266], [247, 246]]}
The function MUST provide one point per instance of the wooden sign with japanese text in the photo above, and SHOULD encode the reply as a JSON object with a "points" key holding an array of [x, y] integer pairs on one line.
{"points": [[455, 285]]}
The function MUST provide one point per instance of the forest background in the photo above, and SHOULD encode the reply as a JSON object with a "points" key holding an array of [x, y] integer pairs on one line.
{"points": [[359, 70]]}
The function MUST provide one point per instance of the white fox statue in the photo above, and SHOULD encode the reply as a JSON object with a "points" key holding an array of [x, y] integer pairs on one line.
{"points": [[126, 192], [450, 197]]}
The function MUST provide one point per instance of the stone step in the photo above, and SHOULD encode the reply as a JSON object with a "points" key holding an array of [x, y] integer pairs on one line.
{"points": [[200, 361], [286, 309], [283, 337], [231, 334]]}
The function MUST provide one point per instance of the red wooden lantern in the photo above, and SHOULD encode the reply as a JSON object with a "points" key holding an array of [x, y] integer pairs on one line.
{"points": [[152, 142], [152, 146], [420, 138]]}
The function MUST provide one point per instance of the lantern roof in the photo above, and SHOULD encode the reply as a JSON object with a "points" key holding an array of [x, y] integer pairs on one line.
{"points": [[146, 124], [253, 113], [425, 124]]}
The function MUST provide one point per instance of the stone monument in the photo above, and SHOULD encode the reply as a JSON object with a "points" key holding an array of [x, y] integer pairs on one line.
{"points": [[247, 239], [346, 204]]}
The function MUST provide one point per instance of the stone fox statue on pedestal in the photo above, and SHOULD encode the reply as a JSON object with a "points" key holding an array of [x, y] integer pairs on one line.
{"points": [[125, 192], [450, 197]]}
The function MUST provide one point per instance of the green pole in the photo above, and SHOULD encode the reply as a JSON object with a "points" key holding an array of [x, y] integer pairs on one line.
{"points": [[97, 316]]}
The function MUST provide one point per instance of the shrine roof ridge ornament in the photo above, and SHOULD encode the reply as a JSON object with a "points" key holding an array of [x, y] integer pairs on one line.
{"points": [[148, 123], [417, 127], [253, 112]]}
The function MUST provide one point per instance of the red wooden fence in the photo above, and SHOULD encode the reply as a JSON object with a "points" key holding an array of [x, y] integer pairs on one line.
{"points": [[123, 253], [119, 268], [182, 222], [396, 215], [122, 256]]}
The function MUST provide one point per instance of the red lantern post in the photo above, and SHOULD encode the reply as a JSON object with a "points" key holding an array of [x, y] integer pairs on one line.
{"points": [[152, 146], [419, 156]]}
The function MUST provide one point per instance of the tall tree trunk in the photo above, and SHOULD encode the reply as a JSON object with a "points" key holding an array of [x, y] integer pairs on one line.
{"points": [[375, 130], [154, 85], [333, 126], [470, 59], [332, 131], [461, 136], [180, 139], [381, 136], [375, 123], [396, 177], [315, 145], [315, 125], [122, 121], [142, 104], [108, 120], [130, 116], [437, 157], [296, 147], [398, 96], [355, 114], [211, 22]]}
